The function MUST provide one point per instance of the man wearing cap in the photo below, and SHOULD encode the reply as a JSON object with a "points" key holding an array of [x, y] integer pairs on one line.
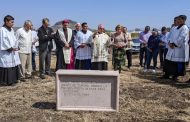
{"points": [[83, 48], [152, 49], [64, 40], [100, 44], [178, 53], [144, 36]]}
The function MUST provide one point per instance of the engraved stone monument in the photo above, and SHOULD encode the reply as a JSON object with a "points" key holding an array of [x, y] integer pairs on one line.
{"points": [[88, 90]]}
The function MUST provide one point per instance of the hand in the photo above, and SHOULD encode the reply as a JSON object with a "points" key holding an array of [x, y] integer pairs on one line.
{"points": [[82, 45], [67, 46]]}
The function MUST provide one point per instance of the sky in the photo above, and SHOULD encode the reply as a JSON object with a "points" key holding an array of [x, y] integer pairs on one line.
{"points": [[130, 13]]}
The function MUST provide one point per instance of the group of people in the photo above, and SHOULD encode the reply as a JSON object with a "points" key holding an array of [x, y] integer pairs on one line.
{"points": [[172, 47], [82, 49]]}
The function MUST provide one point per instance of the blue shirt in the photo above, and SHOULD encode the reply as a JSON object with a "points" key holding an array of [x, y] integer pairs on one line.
{"points": [[153, 42]]}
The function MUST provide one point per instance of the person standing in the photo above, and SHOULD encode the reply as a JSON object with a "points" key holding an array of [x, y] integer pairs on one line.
{"points": [[77, 28], [100, 44], [24, 37], [143, 37], [34, 49], [9, 57], [163, 46], [169, 38], [64, 40], [45, 35], [152, 49], [83, 48], [119, 43], [178, 53], [129, 47]]}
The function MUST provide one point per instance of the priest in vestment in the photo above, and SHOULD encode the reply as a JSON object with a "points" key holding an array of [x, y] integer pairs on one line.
{"points": [[64, 40], [9, 57]]}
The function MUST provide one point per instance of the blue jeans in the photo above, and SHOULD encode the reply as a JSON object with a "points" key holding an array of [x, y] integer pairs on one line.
{"points": [[150, 55]]}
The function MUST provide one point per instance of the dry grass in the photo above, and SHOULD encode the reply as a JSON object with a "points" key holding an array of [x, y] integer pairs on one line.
{"points": [[143, 98]]}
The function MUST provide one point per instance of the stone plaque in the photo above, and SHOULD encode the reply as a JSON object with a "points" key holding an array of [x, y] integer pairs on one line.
{"points": [[88, 90]]}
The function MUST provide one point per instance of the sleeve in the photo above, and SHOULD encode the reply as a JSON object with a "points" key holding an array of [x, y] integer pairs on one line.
{"points": [[4, 41], [141, 38], [77, 41], [71, 43], [42, 37], [58, 40], [182, 38]]}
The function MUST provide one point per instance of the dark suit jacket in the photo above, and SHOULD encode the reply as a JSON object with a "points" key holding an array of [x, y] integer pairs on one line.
{"points": [[44, 38]]}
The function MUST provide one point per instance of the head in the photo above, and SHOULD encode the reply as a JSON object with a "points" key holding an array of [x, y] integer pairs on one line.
{"points": [[65, 23], [118, 29], [9, 21], [164, 30], [182, 19], [45, 22], [28, 25], [147, 29], [124, 30], [77, 26], [101, 28], [154, 32], [84, 26]]}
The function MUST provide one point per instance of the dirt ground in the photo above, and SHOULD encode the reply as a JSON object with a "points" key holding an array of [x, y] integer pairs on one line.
{"points": [[143, 98]]}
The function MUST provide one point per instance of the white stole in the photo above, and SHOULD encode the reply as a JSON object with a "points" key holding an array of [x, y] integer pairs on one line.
{"points": [[66, 51]]}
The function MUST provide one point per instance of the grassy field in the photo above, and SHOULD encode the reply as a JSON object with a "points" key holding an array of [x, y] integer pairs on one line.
{"points": [[143, 98]]}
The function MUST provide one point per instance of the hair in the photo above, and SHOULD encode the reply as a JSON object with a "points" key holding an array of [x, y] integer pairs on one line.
{"points": [[147, 27], [83, 24], [163, 29], [27, 22], [118, 26], [183, 17], [44, 20], [8, 18]]}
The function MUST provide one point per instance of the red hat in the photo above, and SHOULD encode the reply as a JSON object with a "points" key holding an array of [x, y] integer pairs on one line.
{"points": [[65, 21]]}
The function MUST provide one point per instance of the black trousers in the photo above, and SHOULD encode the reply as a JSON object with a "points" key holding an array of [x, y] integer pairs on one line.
{"points": [[143, 55], [162, 56], [129, 58], [99, 66]]}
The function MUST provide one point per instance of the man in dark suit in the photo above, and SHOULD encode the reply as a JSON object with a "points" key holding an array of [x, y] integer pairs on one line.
{"points": [[45, 34]]}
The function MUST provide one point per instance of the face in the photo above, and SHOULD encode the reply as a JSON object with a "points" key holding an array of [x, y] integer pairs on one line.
{"points": [[46, 23], [65, 25], [28, 26], [154, 33], [180, 21], [124, 30], [119, 30], [85, 27], [164, 32], [100, 30], [77, 27], [147, 29], [9, 23]]}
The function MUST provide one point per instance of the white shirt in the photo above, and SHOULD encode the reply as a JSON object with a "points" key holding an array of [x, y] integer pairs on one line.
{"points": [[164, 38], [180, 37], [25, 40], [34, 39], [144, 37], [86, 52], [7, 41]]}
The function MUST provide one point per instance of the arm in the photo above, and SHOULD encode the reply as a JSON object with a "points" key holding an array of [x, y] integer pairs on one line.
{"points": [[4, 41], [58, 41], [42, 37], [181, 40], [77, 41]]}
